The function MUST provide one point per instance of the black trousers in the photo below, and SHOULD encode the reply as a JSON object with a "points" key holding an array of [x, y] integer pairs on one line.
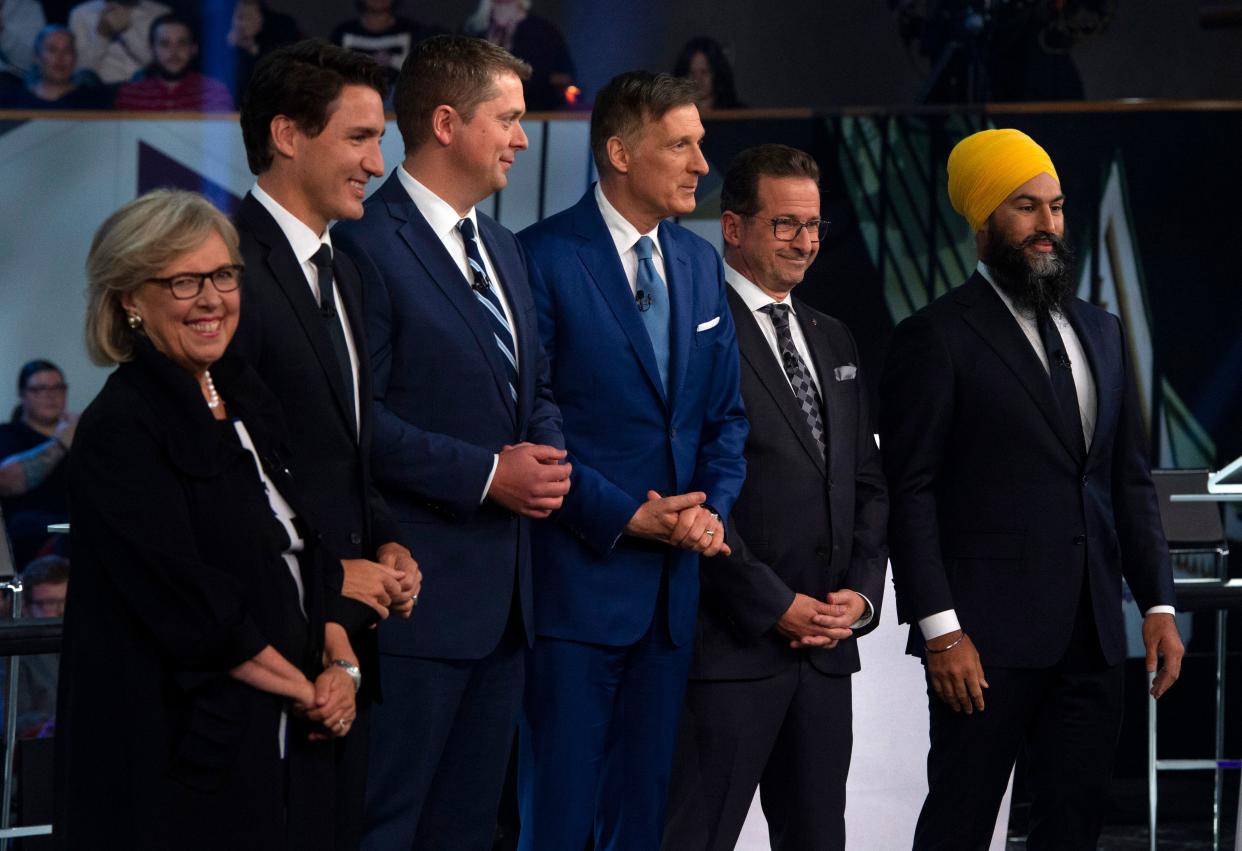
{"points": [[790, 735], [1067, 717]]}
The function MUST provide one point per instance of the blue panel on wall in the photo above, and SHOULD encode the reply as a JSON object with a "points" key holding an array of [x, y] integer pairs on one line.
{"points": [[568, 170]]}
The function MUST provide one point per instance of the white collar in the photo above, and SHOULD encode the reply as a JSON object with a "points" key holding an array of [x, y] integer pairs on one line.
{"points": [[300, 237], [439, 213], [754, 298], [624, 235]]}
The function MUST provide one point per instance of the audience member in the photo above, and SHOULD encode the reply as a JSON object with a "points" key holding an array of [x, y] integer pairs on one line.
{"points": [[113, 36], [703, 60], [255, 32], [533, 39], [53, 83], [20, 22], [32, 445], [45, 584], [170, 82], [379, 33]]}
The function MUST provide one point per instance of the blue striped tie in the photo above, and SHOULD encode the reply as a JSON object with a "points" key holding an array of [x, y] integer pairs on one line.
{"points": [[486, 295]]}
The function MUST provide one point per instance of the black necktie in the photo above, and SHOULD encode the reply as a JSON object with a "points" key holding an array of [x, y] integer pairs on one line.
{"points": [[1061, 374], [799, 376], [332, 324]]}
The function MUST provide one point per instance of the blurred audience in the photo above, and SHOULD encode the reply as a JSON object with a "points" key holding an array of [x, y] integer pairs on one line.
{"points": [[256, 31], [536, 40], [703, 60], [53, 82], [381, 34], [45, 584], [33, 444], [20, 22], [171, 83], [113, 36]]}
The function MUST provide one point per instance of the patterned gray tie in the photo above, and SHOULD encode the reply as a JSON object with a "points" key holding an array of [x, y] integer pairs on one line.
{"points": [[799, 376]]}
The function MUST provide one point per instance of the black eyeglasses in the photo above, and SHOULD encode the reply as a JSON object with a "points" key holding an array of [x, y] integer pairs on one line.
{"points": [[188, 285], [787, 230]]}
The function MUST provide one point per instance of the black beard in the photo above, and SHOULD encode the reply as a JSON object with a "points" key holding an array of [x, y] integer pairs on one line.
{"points": [[1041, 286]]}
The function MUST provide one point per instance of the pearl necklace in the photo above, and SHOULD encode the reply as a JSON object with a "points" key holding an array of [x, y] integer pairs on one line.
{"points": [[213, 398]]}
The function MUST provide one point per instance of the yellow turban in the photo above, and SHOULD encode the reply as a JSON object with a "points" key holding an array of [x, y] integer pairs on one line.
{"points": [[986, 167]]}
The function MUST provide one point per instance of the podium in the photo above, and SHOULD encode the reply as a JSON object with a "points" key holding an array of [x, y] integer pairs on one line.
{"points": [[1190, 514]]}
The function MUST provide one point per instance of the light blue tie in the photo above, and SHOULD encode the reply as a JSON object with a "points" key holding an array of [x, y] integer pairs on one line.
{"points": [[652, 300]]}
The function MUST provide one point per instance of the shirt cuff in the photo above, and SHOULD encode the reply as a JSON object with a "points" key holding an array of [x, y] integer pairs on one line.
{"points": [[867, 615], [1160, 610], [941, 623], [488, 484]]}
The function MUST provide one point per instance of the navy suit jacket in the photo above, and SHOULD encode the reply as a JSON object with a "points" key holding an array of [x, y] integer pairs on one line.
{"points": [[442, 410], [994, 512], [624, 433]]}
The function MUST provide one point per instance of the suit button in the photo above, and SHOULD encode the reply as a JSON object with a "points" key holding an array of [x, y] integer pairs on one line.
{"points": [[1084, 481], [355, 538], [821, 551], [672, 433], [1079, 540], [830, 484]]}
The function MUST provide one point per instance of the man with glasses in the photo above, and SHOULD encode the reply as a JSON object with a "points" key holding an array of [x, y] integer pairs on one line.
{"points": [[768, 703]]}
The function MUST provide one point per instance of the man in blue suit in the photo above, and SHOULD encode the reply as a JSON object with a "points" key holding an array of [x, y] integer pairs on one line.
{"points": [[467, 445], [635, 321]]}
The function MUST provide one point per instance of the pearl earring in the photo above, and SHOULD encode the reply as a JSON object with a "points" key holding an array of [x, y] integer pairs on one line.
{"points": [[133, 320]]}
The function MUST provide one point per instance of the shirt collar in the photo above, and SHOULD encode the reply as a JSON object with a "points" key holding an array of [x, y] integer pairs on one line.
{"points": [[301, 238], [439, 213], [754, 298], [624, 235]]}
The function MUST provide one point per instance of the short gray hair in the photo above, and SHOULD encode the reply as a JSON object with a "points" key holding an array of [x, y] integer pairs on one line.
{"points": [[133, 245]]}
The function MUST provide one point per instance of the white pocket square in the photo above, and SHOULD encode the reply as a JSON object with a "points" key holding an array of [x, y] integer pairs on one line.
{"points": [[708, 325], [846, 373]]}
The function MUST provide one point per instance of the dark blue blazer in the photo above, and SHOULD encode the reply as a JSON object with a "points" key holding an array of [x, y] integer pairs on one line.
{"points": [[442, 410], [994, 512], [624, 433]]}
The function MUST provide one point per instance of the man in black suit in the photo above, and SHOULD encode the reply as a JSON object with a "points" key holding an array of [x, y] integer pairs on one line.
{"points": [[1021, 496], [311, 119], [768, 703]]}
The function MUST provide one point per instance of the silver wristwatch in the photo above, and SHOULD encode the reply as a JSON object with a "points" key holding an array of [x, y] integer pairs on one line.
{"points": [[351, 669]]}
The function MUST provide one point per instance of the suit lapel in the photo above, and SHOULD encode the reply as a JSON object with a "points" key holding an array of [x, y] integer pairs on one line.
{"points": [[285, 270], [1094, 342], [680, 285], [446, 276], [755, 350], [599, 257], [991, 319]]}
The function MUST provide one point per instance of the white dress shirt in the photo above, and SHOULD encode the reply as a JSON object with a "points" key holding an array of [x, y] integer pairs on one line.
{"points": [[305, 243], [944, 622], [443, 220], [625, 236], [755, 300]]}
